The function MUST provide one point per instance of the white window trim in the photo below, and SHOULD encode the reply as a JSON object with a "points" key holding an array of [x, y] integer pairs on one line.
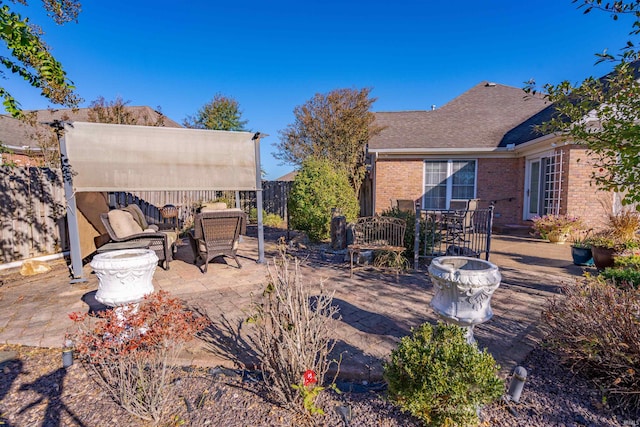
{"points": [[449, 175]]}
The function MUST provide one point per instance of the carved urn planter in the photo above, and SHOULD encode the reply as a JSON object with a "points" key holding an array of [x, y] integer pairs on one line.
{"points": [[463, 288], [124, 276], [557, 237]]}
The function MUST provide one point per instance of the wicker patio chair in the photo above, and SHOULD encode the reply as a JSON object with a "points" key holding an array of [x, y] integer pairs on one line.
{"points": [[161, 242], [217, 233]]}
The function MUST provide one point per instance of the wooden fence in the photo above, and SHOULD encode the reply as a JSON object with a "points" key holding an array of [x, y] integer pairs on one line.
{"points": [[32, 213], [33, 208]]}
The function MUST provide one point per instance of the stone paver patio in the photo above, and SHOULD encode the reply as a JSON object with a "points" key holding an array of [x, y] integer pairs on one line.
{"points": [[377, 308]]}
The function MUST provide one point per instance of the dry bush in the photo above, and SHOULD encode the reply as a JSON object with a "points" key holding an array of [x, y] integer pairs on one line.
{"points": [[294, 334], [596, 327], [625, 224], [131, 350]]}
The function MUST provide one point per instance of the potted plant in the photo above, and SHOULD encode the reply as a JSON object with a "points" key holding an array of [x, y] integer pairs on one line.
{"points": [[618, 239], [581, 248], [555, 228]]}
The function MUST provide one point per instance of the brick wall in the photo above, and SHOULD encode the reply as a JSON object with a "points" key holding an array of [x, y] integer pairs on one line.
{"points": [[498, 179], [397, 179], [582, 197], [502, 181]]}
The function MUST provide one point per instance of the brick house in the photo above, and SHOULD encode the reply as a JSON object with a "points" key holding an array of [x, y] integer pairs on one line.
{"points": [[483, 145]]}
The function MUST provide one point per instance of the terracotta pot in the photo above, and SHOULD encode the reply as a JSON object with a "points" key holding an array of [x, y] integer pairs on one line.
{"points": [[603, 257]]}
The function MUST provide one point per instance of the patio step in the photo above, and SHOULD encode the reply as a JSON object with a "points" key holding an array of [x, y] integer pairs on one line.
{"points": [[512, 229]]}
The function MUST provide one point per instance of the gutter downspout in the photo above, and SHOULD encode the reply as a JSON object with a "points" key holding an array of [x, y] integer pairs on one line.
{"points": [[375, 173]]}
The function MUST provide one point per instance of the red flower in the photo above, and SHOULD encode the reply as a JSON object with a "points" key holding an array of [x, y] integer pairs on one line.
{"points": [[309, 377]]}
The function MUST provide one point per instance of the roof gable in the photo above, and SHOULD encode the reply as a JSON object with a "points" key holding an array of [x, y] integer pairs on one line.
{"points": [[482, 117]]}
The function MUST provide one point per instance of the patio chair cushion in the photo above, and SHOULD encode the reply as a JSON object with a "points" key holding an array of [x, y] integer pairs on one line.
{"points": [[123, 223], [172, 236], [216, 206], [137, 215]]}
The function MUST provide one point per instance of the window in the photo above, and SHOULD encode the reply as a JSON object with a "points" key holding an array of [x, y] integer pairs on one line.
{"points": [[448, 179]]}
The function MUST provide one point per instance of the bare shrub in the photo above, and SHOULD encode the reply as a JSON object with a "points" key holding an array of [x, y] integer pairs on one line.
{"points": [[131, 350], [293, 335], [391, 260], [596, 327]]}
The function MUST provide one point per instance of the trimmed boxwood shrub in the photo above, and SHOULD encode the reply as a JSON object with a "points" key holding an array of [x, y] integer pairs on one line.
{"points": [[438, 377], [317, 188]]}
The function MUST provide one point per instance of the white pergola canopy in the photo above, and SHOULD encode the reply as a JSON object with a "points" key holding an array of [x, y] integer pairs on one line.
{"points": [[107, 157]]}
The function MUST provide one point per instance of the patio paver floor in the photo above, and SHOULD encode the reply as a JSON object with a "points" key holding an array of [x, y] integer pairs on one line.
{"points": [[377, 308]]}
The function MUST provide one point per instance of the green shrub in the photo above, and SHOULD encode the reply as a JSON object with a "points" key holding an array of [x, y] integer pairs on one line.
{"points": [[596, 330], [628, 261], [438, 377], [268, 219], [622, 276], [317, 189], [426, 233]]}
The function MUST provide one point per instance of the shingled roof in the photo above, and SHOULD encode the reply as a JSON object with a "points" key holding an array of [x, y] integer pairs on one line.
{"points": [[488, 115], [20, 136]]}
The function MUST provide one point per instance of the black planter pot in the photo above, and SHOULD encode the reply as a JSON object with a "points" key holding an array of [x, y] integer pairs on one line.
{"points": [[603, 257], [582, 256]]}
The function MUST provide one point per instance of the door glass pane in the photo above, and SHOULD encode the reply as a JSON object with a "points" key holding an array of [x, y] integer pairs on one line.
{"points": [[435, 185], [534, 188]]}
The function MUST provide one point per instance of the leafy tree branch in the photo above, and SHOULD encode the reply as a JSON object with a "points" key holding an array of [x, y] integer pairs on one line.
{"points": [[603, 114], [222, 113], [31, 59], [336, 126]]}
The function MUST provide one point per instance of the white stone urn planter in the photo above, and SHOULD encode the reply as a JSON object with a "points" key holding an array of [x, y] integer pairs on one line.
{"points": [[124, 276], [463, 288]]}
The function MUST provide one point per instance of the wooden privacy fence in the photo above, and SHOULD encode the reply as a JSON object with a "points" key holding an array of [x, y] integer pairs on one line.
{"points": [[32, 213], [33, 208], [451, 232]]}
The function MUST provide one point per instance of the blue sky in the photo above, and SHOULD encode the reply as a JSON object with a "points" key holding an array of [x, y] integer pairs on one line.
{"points": [[274, 55]]}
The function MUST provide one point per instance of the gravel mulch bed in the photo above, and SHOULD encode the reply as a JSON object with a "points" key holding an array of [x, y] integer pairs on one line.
{"points": [[36, 391]]}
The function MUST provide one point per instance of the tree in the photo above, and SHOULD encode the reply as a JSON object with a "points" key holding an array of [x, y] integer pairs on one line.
{"points": [[222, 113], [30, 56], [337, 127], [118, 112], [604, 114]]}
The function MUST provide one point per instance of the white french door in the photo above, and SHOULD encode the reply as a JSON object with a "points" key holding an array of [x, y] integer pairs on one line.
{"points": [[543, 186]]}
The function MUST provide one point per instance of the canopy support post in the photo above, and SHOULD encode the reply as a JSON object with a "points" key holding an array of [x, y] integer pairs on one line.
{"points": [[72, 214], [256, 138]]}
